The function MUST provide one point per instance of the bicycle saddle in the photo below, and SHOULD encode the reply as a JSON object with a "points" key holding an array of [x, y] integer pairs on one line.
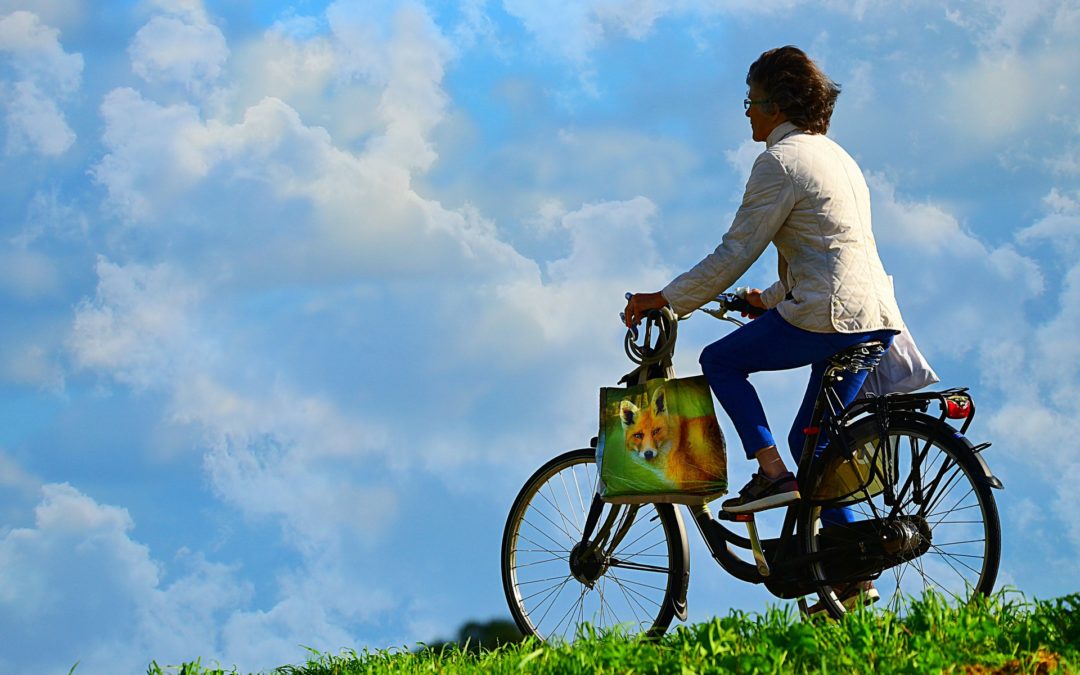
{"points": [[863, 356]]}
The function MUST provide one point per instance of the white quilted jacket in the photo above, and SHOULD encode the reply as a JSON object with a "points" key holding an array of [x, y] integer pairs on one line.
{"points": [[807, 196]]}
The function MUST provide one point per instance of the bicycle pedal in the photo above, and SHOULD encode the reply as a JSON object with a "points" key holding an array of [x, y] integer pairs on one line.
{"points": [[735, 517]]}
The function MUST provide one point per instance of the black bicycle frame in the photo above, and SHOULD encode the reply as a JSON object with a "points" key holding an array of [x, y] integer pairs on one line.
{"points": [[783, 568]]}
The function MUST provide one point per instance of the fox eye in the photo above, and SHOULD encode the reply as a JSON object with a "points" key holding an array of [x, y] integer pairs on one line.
{"points": [[657, 430], [639, 435]]}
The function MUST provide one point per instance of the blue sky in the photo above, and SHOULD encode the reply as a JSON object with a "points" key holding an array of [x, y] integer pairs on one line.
{"points": [[295, 295]]}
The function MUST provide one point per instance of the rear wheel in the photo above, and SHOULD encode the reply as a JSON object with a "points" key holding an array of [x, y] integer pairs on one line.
{"points": [[625, 582], [931, 526]]}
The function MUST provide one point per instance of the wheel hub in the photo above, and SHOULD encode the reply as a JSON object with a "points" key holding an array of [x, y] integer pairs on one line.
{"points": [[906, 538], [587, 563]]}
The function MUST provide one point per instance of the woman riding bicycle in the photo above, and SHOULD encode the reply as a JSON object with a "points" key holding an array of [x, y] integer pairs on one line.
{"points": [[808, 197], [927, 518]]}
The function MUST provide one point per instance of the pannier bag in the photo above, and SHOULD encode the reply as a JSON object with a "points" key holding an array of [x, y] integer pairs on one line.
{"points": [[847, 481], [660, 442]]}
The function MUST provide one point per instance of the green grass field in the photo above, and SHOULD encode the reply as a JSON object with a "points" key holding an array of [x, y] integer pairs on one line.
{"points": [[1002, 634]]}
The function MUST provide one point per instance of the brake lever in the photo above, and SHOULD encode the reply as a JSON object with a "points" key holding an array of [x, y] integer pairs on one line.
{"points": [[622, 315]]}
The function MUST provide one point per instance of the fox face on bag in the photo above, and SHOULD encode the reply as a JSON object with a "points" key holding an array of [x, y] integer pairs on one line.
{"points": [[661, 440]]}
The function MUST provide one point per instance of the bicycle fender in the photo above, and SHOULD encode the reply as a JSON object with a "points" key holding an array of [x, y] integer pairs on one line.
{"points": [[987, 476], [678, 603], [677, 599]]}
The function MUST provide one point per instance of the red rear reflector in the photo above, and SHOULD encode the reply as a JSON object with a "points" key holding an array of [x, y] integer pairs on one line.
{"points": [[811, 430], [957, 408]]}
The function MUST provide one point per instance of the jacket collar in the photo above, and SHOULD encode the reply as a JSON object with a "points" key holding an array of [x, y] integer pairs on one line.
{"points": [[782, 131]]}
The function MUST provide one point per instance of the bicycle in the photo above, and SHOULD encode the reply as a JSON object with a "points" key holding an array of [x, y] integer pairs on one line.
{"points": [[926, 515]]}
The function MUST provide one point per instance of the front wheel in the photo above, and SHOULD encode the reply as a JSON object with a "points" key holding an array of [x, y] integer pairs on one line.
{"points": [[555, 584], [925, 521]]}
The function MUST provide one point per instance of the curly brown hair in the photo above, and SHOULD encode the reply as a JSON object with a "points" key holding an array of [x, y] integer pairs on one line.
{"points": [[796, 85]]}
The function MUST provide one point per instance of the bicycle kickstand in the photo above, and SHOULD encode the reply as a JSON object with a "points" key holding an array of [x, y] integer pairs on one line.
{"points": [[755, 541]]}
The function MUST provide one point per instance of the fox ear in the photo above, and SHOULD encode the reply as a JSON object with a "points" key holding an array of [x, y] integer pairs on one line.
{"points": [[659, 404], [627, 411]]}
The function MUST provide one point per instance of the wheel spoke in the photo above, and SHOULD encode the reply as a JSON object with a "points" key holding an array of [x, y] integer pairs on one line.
{"points": [[932, 499], [581, 500], [947, 557], [956, 505], [958, 555], [958, 543], [601, 587], [553, 595], [541, 546], [642, 536], [570, 612], [544, 531], [545, 561], [642, 552], [546, 590], [577, 526], [562, 516], [643, 585], [943, 587], [540, 581], [634, 598], [898, 575]]}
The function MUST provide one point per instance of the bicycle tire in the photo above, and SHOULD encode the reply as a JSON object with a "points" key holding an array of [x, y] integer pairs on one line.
{"points": [[542, 533], [950, 544]]}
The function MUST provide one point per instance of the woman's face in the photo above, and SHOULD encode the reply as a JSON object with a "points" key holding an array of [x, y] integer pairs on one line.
{"points": [[764, 117]]}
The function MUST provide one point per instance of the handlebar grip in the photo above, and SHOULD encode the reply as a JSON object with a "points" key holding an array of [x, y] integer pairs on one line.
{"points": [[738, 304]]}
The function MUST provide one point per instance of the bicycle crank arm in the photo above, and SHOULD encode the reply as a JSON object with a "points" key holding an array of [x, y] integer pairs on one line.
{"points": [[755, 542]]}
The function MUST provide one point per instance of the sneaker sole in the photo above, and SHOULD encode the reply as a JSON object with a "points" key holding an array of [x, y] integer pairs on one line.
{"points": [[765, 503], [868, 598]]}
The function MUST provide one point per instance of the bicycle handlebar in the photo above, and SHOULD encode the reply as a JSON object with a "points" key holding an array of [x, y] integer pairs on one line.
{"points": [[661, 326], [737, 303], [728, 302]]}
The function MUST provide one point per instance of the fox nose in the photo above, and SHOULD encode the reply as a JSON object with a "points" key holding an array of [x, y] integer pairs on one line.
{"points": [[649, 454]]}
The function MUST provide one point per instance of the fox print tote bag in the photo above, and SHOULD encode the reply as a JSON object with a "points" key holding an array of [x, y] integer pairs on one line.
{"points": [[660, 442]]}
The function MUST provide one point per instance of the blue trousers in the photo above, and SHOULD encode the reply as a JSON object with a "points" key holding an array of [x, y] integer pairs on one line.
{"points": [[770, 343]]}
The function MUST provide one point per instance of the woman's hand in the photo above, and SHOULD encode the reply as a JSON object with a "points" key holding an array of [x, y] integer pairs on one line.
{"points": [[639, 304], [753, 296]]}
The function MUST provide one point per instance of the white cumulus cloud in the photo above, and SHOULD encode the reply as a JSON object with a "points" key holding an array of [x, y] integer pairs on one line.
{"points": [[137, 327], [1040, 420], [179, 46], [77, 571], [1023, 73], [1060, 227], [45, 76]]}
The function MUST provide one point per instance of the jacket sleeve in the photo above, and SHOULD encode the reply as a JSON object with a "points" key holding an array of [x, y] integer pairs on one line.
{"points": [[774, 295], [769, 198]]}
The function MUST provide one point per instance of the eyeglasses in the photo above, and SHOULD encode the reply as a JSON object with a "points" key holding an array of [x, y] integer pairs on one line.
{"points": [[747, 102]]}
